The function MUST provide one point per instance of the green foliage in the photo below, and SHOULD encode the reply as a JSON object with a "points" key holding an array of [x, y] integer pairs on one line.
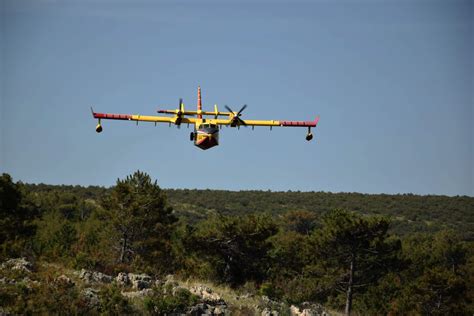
{"points": [[56, 236], [300, 252], [436, 292], [45, 298], [288, 253], [302, 222], [352, 252], [15, 219], [409, 213], [166, 302], [436, 282], [112, 302], [143, 223], [269, 290], [236, 247]]}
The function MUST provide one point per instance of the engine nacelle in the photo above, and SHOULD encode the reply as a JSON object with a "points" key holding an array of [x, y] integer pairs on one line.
{"points": [[98, 128], [309, 136]]}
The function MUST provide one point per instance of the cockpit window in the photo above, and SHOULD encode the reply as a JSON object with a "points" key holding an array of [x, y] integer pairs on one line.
{"points": [[208, 126]]}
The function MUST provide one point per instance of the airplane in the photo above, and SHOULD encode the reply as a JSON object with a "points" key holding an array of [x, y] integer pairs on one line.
{"points": [[206, 131]]}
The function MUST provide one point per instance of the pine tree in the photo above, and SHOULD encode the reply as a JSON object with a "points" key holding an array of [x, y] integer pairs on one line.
{"points": [[354, 251], [15, 219], [139, 214], [236, 247]]}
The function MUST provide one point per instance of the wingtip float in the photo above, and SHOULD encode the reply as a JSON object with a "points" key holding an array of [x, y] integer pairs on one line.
{"points": [[206, 131]]}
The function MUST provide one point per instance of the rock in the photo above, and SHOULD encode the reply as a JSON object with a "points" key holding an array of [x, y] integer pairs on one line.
{"points": [[65, 281], [308, 309], [7, 281], [94, 277], [18, 264], [221, 310], [206, 294], [140, 294], [140, 281], [92, 297], [122, 279], [199, 309], [269, 312]]}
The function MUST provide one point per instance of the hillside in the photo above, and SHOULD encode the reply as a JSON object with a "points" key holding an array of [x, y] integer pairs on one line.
{"points": [[52, 288], [370, 254], [409, 213]]}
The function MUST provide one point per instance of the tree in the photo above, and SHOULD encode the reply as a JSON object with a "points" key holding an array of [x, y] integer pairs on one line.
{"points": [[138, 212], [236, 247], [437, 280], [354, 250], [302, 222], [15, 220]]}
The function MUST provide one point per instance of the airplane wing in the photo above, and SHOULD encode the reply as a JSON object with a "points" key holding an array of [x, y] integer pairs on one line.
{"points": [[252, 123], [143, 118]]}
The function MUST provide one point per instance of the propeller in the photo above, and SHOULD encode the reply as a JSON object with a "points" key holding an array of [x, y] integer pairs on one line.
{"points": [[180, 107], [179, 113], [236, 120]]}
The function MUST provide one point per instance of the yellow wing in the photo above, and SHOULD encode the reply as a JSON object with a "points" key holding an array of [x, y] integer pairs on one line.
{"points": [[233, 122], [144, 118]]}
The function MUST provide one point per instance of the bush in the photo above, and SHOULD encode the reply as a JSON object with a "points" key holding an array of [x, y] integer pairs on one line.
{"points": [[113, 303], [161, 303]]}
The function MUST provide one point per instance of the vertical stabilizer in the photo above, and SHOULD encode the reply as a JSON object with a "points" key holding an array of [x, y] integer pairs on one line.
{"points": [[199, 105]]}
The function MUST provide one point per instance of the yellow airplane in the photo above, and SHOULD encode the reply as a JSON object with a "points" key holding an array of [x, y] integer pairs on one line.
{"points": [[206, 131]]}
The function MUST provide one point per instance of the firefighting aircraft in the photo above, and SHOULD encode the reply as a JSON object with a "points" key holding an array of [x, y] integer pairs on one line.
{"points": [[206, 131]]}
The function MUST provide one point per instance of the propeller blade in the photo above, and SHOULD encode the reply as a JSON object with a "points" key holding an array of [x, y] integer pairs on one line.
{"points": [[180, 107], [228, 109], [243, 108]]}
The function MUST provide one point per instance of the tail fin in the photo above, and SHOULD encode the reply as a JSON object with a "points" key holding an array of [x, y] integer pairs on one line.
{"points": [[199, 105]]}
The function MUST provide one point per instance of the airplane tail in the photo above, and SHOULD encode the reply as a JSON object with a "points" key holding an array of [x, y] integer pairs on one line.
{"points": [[199, 104]]}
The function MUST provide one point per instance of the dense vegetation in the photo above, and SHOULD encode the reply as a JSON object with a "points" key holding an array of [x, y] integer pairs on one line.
{"points": [[375, 254]]}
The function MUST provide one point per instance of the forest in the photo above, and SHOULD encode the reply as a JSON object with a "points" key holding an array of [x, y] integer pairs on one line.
{"points": [[362, 254]]}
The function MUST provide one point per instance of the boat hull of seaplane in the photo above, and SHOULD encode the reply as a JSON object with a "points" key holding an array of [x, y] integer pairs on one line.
{"points": [[206, 136]]}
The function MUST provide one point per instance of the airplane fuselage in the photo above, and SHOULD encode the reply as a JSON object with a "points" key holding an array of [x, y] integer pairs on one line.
{"points": [[205, 135]]}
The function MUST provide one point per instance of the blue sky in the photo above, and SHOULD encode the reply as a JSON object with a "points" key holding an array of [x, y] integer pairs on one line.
{"points": [[391, 80]]}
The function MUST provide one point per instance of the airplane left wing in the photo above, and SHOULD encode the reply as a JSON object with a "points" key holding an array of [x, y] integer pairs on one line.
{"points": [[269, 123], [235, 121]]}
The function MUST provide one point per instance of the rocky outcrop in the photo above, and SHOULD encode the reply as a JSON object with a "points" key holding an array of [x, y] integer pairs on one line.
{"points": [[94, 277], [269, 312], [20, 264], [138, 294], [206, 294], [207, 309], [64, 281], [308, 309], [137, 281], [136, 287], [91, 296], [122, 279], [140, 281]]}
